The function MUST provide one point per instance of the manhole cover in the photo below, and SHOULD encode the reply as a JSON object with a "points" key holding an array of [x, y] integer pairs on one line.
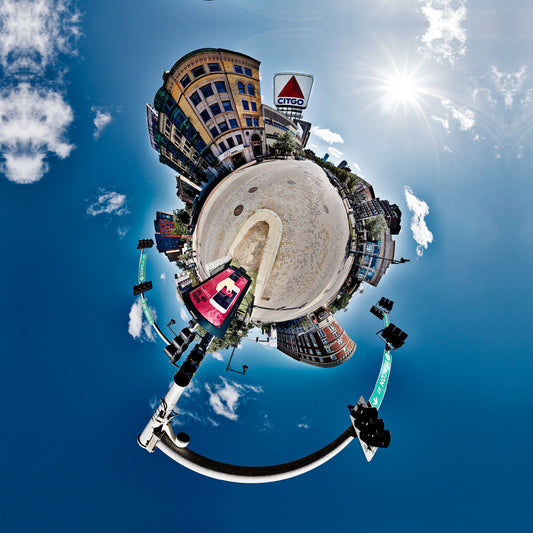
{"points": [[326, 209], [238, 210], [253, 189], [291, 182]]}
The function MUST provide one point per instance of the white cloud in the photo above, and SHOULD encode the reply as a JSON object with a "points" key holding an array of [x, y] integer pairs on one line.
{"points": [[326, 135], [334, 152], [443, 121], [355, 167], [303, 426], [445, 37], [34, 115], [217, 356], [101, 120], [33, 123], [122, 231], [508, 84], [267, 425], [154, 402], [224, 398], [448, 149], [108, 202], [138, 326], [163, 275], [419, 209], [184, 315], [463, 115]]}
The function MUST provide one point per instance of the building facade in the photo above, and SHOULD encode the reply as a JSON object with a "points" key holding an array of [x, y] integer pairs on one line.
{"points": [[209, 114], [166, 242], [375, 207], [317, 340]]}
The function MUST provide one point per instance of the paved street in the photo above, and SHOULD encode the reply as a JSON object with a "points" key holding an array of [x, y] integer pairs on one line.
{"points": [[310, 264]]}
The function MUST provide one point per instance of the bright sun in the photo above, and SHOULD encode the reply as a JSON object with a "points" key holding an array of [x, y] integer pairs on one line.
{"points": [[401, 89]]}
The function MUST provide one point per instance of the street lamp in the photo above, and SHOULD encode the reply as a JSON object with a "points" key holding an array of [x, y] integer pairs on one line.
{"points": [[244, 367], [392, 261]]}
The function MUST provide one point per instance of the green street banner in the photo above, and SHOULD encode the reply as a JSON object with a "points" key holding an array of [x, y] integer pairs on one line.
{"points": [[383, 379]]}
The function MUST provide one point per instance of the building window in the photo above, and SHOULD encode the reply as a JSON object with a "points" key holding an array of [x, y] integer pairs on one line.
{"points": [[239, 139], [245, 105], [249, 122], [231, 142], [256, 122], [248, 71], [185, 80], [214, 132], [223, 126], [213, 67], [233, 123], [195, 98], [240, 87], [221, 87], [198, 71], [238, 69], [222, 146], [226, 104], [251, 90], [215, 109], [207, 90], [254, 107], [205, 115]]}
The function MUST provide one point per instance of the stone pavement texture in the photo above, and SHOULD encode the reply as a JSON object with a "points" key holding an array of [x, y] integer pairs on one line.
{"points": [[311, 260]]}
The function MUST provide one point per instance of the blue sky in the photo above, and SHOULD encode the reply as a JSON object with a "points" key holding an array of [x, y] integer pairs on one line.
{"points": [[435, 96]]}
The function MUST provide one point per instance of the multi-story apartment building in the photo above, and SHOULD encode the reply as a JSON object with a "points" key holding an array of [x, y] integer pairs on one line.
{"points": [[317, 340], [209, 118]]}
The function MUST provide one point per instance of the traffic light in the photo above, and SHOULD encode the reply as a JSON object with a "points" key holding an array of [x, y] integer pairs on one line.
{"points": [[371, 428], [142, 287], [181, 344], [394, 336], [145, 243], [377, 312], [190, 366], [386, 304]]}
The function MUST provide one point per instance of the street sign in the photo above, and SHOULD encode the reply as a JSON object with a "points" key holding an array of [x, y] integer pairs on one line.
{"points": [[147, 313], [376, 398], [142, 267]]}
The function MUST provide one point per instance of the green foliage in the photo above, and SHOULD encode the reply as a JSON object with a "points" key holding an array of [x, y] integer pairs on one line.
{"points": [[181, 221], [285, 143], [374, 227], [236, 331]]}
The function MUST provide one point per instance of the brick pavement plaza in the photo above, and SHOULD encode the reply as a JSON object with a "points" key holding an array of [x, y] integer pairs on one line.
{"points": [[298, 235]]}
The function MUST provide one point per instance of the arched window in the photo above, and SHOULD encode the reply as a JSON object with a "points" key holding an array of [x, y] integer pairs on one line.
{"points": [[240, 87], [251, 91]]}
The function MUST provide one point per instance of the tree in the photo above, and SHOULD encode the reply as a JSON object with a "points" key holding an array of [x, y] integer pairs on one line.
{"points": [[181, 221], [374, 227], [285, 143]]}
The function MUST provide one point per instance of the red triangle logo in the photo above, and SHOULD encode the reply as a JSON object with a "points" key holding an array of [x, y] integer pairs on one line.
{"points": [[291, 89]]}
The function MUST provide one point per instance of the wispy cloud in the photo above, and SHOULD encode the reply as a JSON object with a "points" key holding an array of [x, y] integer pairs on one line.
{"points": [[138, 326], [508, 84], [101, 119], [334, 152], [108, 202], [35, 116], [122, 231], [326, 135], [225, 397], [464, 116], [419, 210], [303, 426], [184, 315], [217, 356], [445, 37]]}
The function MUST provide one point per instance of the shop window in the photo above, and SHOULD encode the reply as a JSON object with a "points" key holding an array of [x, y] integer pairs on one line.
{"points": [[239, 139], [222, 146], [198, 71]]}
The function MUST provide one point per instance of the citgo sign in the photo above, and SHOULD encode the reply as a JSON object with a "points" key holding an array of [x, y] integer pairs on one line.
{"points": [[292, 89]]}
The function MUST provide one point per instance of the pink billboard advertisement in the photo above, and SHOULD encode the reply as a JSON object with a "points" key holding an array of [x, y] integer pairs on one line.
{"points": [[215, 301]]}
